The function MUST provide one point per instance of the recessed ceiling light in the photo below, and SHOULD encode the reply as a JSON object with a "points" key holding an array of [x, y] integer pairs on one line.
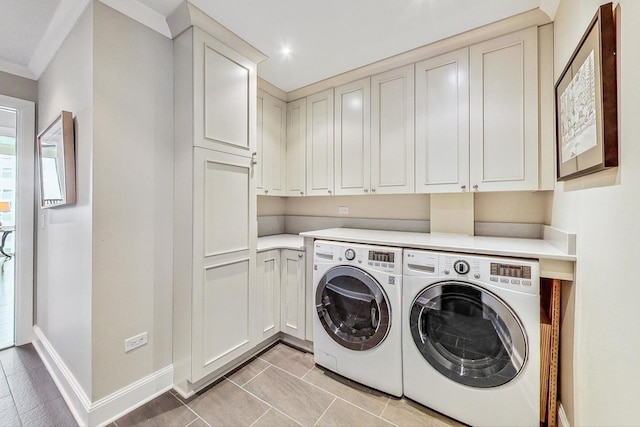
{"points": [[286, 51]]}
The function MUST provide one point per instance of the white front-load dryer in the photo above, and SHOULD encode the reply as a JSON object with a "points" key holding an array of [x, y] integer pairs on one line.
{"points": [[357, 291], [471, 337]]}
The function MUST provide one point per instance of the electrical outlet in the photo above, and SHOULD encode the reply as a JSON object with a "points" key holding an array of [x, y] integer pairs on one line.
{"points": [[135, 342], [343, 210]]}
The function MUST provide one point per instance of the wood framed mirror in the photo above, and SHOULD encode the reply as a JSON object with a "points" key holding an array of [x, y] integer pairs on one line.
{"points": [[56, 163]]}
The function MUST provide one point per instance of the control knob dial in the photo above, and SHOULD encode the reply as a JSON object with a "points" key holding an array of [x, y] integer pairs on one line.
{"points": [[350, 254], [461, 267]]}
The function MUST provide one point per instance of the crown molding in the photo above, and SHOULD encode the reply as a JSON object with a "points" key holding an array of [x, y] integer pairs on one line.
{"points": [[141, 13], [15, 69], [63, 21]]}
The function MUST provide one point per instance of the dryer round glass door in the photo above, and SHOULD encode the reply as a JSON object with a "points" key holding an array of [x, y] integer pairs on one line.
{"points": [[468, 334], [353, 308]]}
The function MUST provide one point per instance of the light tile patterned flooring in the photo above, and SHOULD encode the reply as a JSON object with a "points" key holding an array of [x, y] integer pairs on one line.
{"points": [[283, 387]]}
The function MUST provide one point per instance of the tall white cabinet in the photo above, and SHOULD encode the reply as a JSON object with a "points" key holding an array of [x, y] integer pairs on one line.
{"points": [[503, 99], [320, 144], [442, 123], [296, 147], [392, 131], [352, 138], [214, 197], [271, 145], [477, 117]]}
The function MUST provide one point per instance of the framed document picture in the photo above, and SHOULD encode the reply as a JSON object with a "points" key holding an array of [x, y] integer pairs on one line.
{"points": [[587, 104]]}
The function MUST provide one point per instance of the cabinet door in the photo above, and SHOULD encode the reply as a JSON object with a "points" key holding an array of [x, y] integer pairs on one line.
{"points": [[259, 168], [352, 138], [224, 263], [296, 142], [292, 290], [224, 88], [392, 135], [442, 123], [504, 113], [320, 143], [268, 291], [274, 142]]}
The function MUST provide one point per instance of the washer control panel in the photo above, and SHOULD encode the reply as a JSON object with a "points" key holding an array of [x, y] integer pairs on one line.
{"points": [[384, 259]]}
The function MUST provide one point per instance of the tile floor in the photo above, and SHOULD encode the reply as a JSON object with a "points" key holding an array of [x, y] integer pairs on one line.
{"points": [[28, 395], [283, 387]]}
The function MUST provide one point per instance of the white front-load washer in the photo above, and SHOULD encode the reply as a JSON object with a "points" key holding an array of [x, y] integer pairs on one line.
{"points": [[471, 337], [357, 291]]}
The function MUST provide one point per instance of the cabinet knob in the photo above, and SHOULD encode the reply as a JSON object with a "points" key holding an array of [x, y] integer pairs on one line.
{"points": [[373, 190], [266, 191], [299, 255], [302, 193], [463, 187], [366, 190], [254, 161], [475, 187], [329, 191]]}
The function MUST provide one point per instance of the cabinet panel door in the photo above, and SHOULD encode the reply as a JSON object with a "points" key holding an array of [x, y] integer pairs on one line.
{"points": [[442, 123], [274, 144], [292, 288], [259, 168], [224, 92], [392, 134], [268, 291], [504, 112], [352, 138], [224, 244], [320, 143], [296, 143]]}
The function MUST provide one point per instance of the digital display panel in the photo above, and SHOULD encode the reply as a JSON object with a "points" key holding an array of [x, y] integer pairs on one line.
{"points": [[508, 270], [381, 256]]}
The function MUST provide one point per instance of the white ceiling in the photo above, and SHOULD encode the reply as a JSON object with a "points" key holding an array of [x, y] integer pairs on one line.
{"points": [[326, 37]]}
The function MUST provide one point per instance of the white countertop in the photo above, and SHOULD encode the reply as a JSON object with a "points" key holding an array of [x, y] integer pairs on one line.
{"points": [[280, 241], [503, 246]]}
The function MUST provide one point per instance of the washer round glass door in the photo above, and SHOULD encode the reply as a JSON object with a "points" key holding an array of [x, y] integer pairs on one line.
{"points": [[353, 308], [468, 334]]}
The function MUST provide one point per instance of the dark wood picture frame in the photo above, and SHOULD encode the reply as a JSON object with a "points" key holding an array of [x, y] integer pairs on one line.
{"points": [[586, 102]]}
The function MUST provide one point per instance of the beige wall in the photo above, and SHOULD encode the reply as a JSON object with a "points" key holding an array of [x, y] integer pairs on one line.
{"points": [[518, 207], [602, 209], [132, 199], [409, 206], [515, 206], [63, 243], [270, 205], [18, 87]]}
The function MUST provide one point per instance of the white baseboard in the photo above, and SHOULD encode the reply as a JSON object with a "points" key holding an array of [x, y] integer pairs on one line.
{"points": [[563, 421], [109, 408]]}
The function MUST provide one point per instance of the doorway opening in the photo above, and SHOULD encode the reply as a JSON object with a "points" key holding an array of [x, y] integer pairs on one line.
{"points": [[8, 174]]}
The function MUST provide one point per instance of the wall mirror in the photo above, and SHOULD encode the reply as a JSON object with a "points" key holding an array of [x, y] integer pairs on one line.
{"points": [[56, 163]]}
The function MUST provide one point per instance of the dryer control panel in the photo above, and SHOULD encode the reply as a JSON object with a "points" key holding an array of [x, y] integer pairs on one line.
{"points": [[512, 273]]}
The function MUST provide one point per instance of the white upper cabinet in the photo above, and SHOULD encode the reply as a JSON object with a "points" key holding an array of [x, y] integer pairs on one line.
{"points": [[271, 145], [392, 131], [442, 123], [504, 113], [320, 143], [352, 138], [224, 82], [296, 144]]}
